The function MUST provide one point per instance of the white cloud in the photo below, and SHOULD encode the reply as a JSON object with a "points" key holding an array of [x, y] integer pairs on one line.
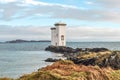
{"points": [[29, 33], [109, 3], [7, 1], [33, 2], [38, 3], [28, 8], [88, 2], [93, 34]]}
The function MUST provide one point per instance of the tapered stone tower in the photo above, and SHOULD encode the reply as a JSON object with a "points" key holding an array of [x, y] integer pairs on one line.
{"points": [[58, 34]]}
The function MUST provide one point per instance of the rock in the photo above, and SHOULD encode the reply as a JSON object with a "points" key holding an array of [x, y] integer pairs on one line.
{"points": [[60, 49], [113, 60], [51, 60], [63, 49], [98, 50], [90, 61]]}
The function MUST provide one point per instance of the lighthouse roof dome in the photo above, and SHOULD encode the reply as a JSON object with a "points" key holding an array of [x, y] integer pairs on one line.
{"points": [[60, 24]]}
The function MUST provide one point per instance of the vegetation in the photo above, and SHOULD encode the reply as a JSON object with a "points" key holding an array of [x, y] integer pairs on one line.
{"points": [[5, 79], [67, 70]]}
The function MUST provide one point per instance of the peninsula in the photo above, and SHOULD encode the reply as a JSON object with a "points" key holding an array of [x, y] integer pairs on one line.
{"points": [[22, 41]]}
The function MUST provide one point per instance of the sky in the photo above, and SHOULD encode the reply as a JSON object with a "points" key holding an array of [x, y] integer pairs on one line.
{"points": [[87, 20]]}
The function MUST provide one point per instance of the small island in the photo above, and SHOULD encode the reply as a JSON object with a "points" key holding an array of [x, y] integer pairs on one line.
{"points": [[22, 41]]}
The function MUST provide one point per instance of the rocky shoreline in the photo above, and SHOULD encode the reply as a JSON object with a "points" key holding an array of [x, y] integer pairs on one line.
{"points": [[81, 64], [89, 56], [67, 70]]}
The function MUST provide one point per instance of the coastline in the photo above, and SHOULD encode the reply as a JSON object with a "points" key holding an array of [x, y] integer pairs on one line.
{"points": [[87, 66]]}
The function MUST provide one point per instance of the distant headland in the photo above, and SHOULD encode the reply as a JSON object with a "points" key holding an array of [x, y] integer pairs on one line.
{"points": [[22, 41]]}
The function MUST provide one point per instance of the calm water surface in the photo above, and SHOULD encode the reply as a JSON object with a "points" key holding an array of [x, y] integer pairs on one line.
{"points": [[17, 59]]}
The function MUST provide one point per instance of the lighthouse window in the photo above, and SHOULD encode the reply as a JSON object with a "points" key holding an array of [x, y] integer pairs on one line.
{"points": [[56, 35], [62, 37]]}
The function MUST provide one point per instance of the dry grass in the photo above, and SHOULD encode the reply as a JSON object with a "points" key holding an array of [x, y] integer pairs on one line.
{"points": [[93, 54], [5, 79], [67, 70]]}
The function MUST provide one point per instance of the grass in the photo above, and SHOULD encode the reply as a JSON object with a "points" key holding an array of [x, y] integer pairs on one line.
{"points": [[67, 70], [5, 79], [93, 54]]}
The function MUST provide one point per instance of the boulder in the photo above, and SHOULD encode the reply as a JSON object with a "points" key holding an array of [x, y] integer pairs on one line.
{"points": [[98, 49], [90, 61], [51, 60], [60, 49]]}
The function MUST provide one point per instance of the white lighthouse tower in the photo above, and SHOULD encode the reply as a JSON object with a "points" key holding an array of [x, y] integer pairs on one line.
{"points": [[58, 34]]}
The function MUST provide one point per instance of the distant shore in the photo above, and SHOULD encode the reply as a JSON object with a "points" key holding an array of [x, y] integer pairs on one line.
{"points": [[22, 41]]}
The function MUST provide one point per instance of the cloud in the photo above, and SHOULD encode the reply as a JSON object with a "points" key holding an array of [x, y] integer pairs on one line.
{"points": [[34, 2], [27, 8], [81, 33], [20, 9], [9, 10], [7, 1], [25, 32], [93, 34], [89, 2], [109, 3]]}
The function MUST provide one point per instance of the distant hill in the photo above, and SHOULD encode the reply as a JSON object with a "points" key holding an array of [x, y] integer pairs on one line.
{"points": [[21, 41]]}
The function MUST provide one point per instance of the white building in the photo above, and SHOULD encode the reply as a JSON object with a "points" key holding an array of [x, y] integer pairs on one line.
{"points": [[58, 35]]}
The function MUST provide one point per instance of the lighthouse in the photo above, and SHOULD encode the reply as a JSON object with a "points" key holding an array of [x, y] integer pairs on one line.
{"points": [[58, 34]]}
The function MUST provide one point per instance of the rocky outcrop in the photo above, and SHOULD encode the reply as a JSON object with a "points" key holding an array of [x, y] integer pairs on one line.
{"points": [[103, 60], [89, 56], [62, 49]]}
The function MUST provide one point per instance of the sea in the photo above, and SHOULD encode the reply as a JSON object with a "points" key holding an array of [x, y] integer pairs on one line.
{"points": [[17, 59]]}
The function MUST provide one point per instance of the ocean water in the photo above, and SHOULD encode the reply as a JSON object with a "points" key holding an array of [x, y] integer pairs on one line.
{"points": [[17, 59]]}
